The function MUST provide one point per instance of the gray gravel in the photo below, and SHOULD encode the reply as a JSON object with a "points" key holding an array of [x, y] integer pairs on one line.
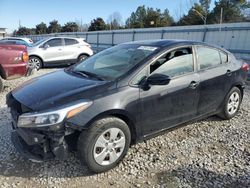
{"points": [[208, 153]]}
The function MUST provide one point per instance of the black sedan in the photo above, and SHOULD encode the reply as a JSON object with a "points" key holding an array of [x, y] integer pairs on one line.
{"points": [[123, 95]]}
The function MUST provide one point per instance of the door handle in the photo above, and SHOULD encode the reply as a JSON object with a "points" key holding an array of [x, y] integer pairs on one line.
{"points": [[60, 49], [229, 72], [193, 85]]}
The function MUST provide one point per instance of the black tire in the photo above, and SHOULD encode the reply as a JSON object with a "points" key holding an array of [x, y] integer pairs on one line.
{"points": [[35, 63], [225, 113], [82, 57], [88, 139], [1, 84]]}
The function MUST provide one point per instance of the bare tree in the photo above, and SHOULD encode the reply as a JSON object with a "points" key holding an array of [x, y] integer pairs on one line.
{"points": [[115, 20]]}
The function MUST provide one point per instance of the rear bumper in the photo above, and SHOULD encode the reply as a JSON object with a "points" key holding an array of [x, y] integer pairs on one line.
{"points": [[13, 71]]}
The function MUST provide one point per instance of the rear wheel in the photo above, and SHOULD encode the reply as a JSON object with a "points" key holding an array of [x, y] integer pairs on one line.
{"points": [[103, 146], [81, 58], [231, 104], [35, 62]]}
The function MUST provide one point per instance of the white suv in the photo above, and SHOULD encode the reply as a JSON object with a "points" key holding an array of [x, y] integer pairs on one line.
{"points": [[58, 51]]}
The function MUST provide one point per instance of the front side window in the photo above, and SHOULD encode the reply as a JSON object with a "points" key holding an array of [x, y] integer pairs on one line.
{"points": [[54, 42], [208, 57], [70, 41], [174, 63], [116, 61]]}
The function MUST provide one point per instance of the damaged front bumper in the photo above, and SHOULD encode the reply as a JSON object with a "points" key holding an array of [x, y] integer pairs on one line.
{"points": [[38, 145], [54, 139]]}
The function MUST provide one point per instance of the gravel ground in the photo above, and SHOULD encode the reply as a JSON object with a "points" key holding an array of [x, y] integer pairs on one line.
{"points": [[208, 153]]}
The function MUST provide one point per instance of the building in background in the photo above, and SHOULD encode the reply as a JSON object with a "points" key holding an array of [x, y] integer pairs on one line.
{"points": [[2, 32]]}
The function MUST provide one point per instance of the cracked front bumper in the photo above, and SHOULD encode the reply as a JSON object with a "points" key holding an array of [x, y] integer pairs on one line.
{"points": [[39, 146]]}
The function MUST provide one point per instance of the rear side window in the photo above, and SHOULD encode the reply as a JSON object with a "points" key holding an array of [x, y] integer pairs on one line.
{"points": [[223, 57], [208, 57], [54, 42], [70, 42], [174, 63]]}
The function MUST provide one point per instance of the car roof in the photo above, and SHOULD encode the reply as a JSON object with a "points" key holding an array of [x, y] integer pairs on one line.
{"points": [[77, 38], [165, 42], [28, 40]]}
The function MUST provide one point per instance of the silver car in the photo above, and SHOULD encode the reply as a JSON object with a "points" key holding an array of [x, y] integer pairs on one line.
{"points": [[58, 51], [28, 41]]}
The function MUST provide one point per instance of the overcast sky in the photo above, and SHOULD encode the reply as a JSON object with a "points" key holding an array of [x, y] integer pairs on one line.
{"points": [[32, 12]]}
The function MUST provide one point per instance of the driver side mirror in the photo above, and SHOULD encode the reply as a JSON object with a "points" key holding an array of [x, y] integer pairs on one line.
{"points": [[158, 79]]}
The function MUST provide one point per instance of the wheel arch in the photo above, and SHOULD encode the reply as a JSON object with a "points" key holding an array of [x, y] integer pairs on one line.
{"points": [[37, 56], [2, 73], [241, 87], [121, 114], [83, 54]]}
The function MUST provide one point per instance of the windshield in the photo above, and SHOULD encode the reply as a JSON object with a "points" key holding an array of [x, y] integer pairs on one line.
{"points": [[116, 61], [39, 42]]}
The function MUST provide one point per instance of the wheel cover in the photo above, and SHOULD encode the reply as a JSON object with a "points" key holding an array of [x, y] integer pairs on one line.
{"points": [[233, 103], [33, 62], [109, 146], [82, 58]]}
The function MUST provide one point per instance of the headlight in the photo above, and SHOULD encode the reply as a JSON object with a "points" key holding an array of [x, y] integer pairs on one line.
{"points": [[51, 117]]}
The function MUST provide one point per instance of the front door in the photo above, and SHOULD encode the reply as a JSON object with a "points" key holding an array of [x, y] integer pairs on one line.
{"points": [[165, 106], [53, 51]]}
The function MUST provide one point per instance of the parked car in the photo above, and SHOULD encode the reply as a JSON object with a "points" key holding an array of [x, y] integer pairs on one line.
{"points": [[58, 51], [13, 62], [14, 41], [123, 95], [248, 75], [23, 39]]}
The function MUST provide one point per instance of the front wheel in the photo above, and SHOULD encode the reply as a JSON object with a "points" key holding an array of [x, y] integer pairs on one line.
{"points": [[103, 146], [231, 104]]}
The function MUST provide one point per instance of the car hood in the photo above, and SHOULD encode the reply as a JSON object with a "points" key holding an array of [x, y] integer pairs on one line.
{"points": [[31, 49], [57, 89]]}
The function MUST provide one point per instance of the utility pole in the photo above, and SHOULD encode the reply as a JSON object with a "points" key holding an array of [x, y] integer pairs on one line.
{"points": [[221, 17], [19, 23], [81, 25]]}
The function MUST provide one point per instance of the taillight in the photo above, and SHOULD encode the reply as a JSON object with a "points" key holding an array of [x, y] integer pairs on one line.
{"points": [[245, 67], [25, 57]]}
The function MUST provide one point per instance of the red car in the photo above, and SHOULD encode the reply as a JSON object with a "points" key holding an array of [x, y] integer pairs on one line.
{"points": [[13, 62]]}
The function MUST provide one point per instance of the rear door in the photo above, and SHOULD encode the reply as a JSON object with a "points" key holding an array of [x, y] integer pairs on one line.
{"points": [[53, 50], [71, 48], [215, 78]]}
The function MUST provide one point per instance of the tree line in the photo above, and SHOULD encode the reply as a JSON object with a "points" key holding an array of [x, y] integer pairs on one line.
{"points": [[146, 17]]}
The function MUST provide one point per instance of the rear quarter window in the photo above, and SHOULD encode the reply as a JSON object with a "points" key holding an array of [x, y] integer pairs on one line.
{"points": [[207, 57], [224, 57]]}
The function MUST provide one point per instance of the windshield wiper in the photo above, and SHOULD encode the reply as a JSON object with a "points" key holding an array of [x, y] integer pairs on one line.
{"points": [[81, 73], [88, 74]]}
